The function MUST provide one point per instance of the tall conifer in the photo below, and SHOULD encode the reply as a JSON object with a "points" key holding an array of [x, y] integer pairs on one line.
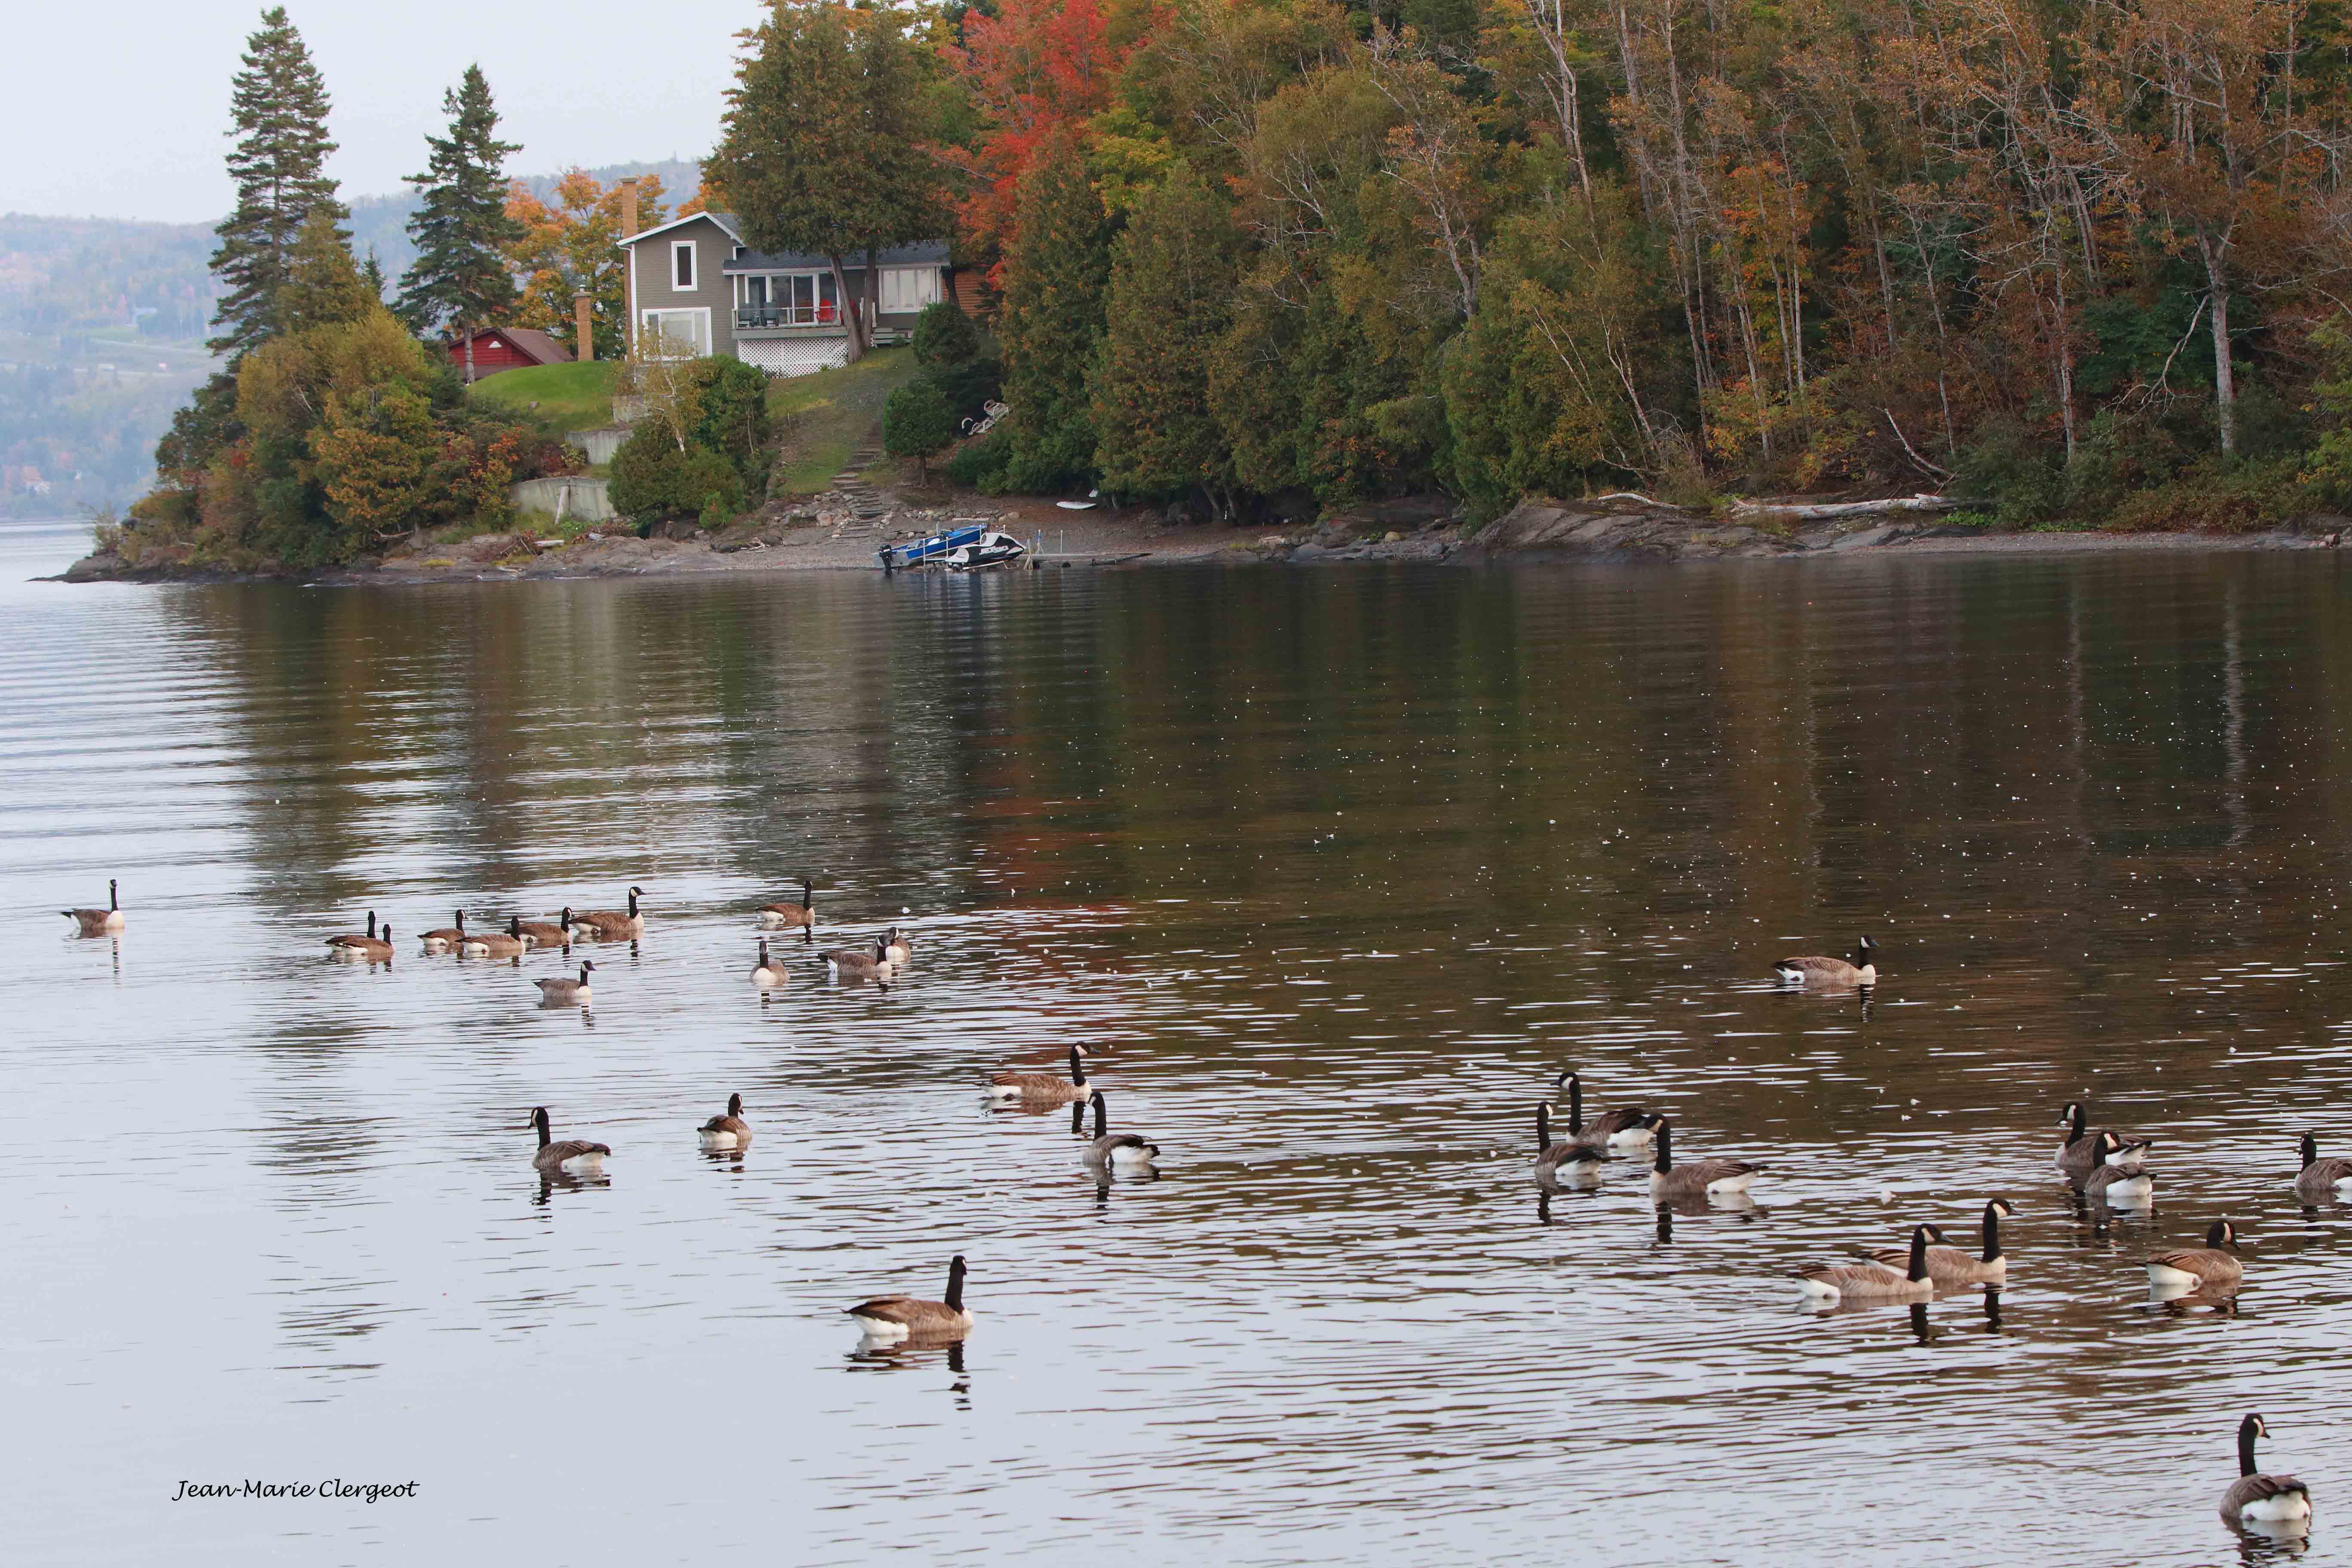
{"points": [[279, 164], [1052, 322], [460, 278]]}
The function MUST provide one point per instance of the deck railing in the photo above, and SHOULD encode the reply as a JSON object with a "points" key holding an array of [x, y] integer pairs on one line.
{"points": [[752, 316]]}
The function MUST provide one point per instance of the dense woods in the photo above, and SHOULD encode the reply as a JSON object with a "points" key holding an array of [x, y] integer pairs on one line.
{"points": [[2073, 261]]}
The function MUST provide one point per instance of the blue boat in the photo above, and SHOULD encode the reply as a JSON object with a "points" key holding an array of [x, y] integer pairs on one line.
{"points": [[916, 552]]}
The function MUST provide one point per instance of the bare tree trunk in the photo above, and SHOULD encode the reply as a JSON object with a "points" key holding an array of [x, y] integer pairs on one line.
{"points": [[2225, 380], [843, 304], [469, 353]]}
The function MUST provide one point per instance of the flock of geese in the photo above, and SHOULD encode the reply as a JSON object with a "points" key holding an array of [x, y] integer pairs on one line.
{"points": [[2107, 1166]]}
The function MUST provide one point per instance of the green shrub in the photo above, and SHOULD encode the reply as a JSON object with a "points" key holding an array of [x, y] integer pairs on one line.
{"points": [[968, 387], [945, 337], [708, 482], [644, 477], [734, 411], [917, 421], [980, 465], [2217, 496], [2006, 466]]}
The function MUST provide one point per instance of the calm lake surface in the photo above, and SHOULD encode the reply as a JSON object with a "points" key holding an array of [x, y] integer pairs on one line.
{"points": [[1335, 871]]}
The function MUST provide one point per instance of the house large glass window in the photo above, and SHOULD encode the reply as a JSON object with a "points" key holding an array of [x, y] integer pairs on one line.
{"points": [[675, 334], [788, 299], [906, 289]]}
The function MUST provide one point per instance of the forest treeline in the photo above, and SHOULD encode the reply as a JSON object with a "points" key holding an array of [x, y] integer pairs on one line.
{"points": [[2081, 259]]}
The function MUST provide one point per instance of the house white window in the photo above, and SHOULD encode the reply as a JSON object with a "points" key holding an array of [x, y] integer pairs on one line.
{"points": [[675, 334], [906, 289], [681, 266]]}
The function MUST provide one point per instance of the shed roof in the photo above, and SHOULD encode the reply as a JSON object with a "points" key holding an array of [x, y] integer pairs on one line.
{"points": [[534, 345]]}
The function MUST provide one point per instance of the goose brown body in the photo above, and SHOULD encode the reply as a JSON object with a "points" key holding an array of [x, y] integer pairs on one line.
{"points": [[1810, 969], [2114, 1184], [768, 976], [897, 949], [507, 944], [562, 991], [2318, 1180], [549, 934], [1951, 1266], [352, 939], [2079, 1154], [1581, 1159], [1032, 1089], [728, 1132], [375, 948], [99, 922], [858, 962], [1108, 1148], [442, 939], [907, 1317], [802, 915], [1695, 1178], [573, 1152], [611, 925], [2278, 1503], [2208, 1268], [1870, 1281]]}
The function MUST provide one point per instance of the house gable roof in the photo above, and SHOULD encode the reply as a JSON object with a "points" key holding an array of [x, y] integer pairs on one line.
{"points": [[726, 222], [535, 345]]}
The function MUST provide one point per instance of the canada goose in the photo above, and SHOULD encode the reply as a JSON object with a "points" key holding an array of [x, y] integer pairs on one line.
{"points": [[2114, 1184], [898, 949], [1120, 1151], [903, 1317], [2321, 1180], [1869, 1283], [542, 934], [2199, 1267], [565, 991], [99, 922], [1700, 1178], [374, 948], [1626, 1128], [728, 1132], [572, 1156], [802, 914], [348, 939], [1809, 971], [1043, 1088], [768, 976], [2281, 1502], [2080, 1151], [1583, 1159], [443, 939], [1951, 1266], [507, 944], [611, 925], [857, 964]]}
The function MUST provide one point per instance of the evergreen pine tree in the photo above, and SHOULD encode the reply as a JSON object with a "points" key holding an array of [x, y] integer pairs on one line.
{"points": [[279, 164], [1173, 277], [323, 286], [372, 274], [460, 280], [1051, 322]]}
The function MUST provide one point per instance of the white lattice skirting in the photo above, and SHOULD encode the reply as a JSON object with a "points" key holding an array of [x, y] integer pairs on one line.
{"points": [[794, 357]]}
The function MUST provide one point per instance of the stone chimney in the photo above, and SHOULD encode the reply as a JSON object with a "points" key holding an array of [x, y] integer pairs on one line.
{"points": [[629, 207], [584, 321]]}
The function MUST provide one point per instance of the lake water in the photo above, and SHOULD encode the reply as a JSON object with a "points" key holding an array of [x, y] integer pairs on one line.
{"points": [[1334, 871]]}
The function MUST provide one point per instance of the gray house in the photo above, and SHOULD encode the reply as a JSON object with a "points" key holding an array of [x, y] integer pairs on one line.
{"points": [[692, 280]]}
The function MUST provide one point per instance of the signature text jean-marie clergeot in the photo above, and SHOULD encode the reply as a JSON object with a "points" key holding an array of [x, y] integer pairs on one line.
{"points": [[365, 1491]]}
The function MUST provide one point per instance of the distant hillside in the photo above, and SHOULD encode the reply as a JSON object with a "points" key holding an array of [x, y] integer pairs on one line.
{"points": [[102, 324], [381, 223]]}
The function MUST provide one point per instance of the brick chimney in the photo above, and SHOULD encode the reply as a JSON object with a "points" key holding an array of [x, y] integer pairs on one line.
{"points": [[629, 207], [584, 321]]}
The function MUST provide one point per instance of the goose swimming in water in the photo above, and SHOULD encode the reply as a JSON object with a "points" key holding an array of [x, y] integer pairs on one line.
{"points": [[2321, 1181], [549, 934], [611, 925], [444, 939], [1813, 971], [858, 962], [350, 940], [904, 1317], [565, 992], [1700, 1178], [802, 914], [2276, 1503], [2208, 1268], [99, 922], [374, 948], [1581, 1160], [728, 1132], [2116, 1185], [1951, 1266], [1623, 1130], [574, 1156], [1034, 1089], [768, 976], [1119, 1151], [2080, 1151], [1870, 1281], [507, 943]]}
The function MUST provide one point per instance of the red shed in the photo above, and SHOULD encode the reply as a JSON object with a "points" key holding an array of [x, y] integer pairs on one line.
{"points": [[506, 348]]}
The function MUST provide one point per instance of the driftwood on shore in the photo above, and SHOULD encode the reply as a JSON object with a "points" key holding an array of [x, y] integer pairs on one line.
{"points": [[1848, 508]]}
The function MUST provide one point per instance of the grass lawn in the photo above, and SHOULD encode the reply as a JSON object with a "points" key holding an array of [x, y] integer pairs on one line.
{"points": [[572, 397], [822, 418]]}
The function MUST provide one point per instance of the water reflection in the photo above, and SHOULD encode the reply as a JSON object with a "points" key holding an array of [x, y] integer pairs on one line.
{"points": [[1343, 869]]}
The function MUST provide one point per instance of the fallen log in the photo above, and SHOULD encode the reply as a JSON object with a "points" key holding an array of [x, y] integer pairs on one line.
{"points": [[1849, 508]]}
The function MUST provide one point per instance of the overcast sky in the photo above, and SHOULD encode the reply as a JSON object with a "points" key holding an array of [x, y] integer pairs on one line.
{"points": [[118, 110]]}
